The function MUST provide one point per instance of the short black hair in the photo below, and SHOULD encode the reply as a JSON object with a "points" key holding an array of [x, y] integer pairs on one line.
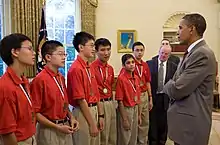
{"points": [[12, 41], [49, 47], [81, 38], [102, 42], [165, 39], [138, 43], [198, 21], [125, 57]]}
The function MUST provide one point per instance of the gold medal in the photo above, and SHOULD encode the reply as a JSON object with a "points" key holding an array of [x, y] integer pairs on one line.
{"points": [[135, 98], [141, 83], [65, 106], [105, 90]]}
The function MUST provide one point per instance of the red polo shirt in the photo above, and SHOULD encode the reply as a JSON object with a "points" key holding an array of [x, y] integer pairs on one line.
{"points": [[16, 113], [143, 72], [104, 74], [128, 89], [47, 97], [81, 83]]}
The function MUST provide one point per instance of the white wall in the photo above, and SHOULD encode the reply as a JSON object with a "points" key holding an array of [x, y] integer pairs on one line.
{"points": [[148, 17]]}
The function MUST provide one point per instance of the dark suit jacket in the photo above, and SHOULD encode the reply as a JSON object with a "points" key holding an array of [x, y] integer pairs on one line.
{"points": [[174, 59], [170, 70]]}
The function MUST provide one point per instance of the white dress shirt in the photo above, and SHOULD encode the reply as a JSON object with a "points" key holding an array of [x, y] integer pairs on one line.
{"points": [[194, 44]]}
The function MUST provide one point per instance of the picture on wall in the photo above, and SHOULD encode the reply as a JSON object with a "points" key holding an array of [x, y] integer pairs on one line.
{"points": [[126, 38]]}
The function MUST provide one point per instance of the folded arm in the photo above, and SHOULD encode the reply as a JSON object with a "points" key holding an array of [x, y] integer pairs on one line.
{"points": [[191, 77]]}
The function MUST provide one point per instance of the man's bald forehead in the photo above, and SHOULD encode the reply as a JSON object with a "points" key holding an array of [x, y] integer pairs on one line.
{"points": [[166, 47]]}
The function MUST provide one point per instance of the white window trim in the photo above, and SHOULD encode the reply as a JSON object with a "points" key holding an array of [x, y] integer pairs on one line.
{"points": [[77, 28], [78, 16], [6, 17], [6, 25], [6, 22]]}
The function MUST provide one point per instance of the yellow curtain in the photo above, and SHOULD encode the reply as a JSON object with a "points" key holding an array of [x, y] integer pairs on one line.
{"points": [[88, 18], [88, 15], [26, 15]]}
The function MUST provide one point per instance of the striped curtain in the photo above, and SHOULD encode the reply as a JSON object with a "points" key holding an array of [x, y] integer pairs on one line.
{"points": [[88, 17], [26, 15]]}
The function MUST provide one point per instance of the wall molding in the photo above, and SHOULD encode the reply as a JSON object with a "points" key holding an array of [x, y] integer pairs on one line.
{"points": [[173, 21]]}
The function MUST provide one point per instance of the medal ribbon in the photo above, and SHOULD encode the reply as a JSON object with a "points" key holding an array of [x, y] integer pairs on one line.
{"points": [[106, 74], [89, 75], [90, 81], [140, 72], [59, 86], [26, 94], [132, 86]]}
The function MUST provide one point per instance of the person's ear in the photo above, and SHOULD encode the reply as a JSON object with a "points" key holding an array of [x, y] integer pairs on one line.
{"points": [[80, 47], [14, 52], [192, 28], [47, 57]]}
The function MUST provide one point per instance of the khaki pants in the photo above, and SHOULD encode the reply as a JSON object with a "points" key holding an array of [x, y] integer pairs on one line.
{"points": [[109, 134], [82, 137], [51, 136], [29, 141], [1, 141], [144, 127], [128, 137]]}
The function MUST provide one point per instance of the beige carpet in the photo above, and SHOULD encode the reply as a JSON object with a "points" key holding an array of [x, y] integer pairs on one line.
{"points": [[216, 116]]}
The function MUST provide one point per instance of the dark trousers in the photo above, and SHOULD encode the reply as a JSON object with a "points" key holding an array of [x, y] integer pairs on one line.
{"points": [[158, 120]]}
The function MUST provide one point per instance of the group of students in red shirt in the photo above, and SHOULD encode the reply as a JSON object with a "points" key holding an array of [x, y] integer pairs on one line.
{"points": [[44, 104]]}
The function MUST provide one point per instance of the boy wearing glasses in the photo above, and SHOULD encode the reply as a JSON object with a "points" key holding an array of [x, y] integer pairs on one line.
{"points": [[128, 96], [83, 92], [55, 122], [17, 120]]}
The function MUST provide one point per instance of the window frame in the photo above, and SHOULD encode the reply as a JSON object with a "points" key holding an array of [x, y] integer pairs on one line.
{"points": [[6, 22], [77, 28]]}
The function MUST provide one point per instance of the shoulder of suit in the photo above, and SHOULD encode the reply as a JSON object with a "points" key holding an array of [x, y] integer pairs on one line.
{"points": [[204, 50]]}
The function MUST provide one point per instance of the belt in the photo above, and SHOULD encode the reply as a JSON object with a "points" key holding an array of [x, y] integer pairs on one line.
{"points": [[92, 104], [160, 93], [106, 99], [60, 121]]}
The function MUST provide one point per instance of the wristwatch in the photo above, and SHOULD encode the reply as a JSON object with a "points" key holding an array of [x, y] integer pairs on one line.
{"points": [[101, 116]]}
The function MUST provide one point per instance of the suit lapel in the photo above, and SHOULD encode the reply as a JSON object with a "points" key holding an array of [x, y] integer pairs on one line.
{"points": [[167, 71], [192, 50], [156, 70], [195, 47]]}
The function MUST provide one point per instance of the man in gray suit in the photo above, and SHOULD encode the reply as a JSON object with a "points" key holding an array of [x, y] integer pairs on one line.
{"points": [[191, 89]]}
